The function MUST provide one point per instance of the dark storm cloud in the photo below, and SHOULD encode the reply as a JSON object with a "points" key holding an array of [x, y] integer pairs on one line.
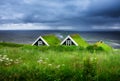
{"points": [[76, 14], [109, 8]]}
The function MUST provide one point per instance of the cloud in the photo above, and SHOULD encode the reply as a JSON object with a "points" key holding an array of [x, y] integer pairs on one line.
{"points": [[24, 26], [108, 27], [31, 26], [58, 14], [45, 9], [109, 8]]}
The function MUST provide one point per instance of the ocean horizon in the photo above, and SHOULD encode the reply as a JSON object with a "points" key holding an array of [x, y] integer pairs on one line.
{"points": [[29, 36]]}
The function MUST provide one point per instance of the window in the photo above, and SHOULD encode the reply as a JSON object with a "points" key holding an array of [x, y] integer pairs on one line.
{"points": [[68, 42], [40, 43]]}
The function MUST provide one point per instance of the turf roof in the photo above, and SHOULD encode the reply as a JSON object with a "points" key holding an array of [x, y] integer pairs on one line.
{"points": [[79, 40], [106, 47], [51, 39]]}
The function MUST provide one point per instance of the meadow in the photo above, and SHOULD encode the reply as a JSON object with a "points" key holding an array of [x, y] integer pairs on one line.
{"points": [[57, 63]]}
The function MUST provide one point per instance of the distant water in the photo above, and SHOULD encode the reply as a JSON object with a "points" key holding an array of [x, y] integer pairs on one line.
{"points": [[29, 36]]}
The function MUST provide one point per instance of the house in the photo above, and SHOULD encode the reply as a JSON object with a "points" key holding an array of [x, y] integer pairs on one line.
{"points": [[68, 41], [47, 40], [40, 42], [103, 45], [74, 39]]}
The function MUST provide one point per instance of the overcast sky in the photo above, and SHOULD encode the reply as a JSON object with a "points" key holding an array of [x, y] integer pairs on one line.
{"points": [[60, 14]]}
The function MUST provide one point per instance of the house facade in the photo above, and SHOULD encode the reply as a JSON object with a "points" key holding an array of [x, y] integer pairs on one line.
{"points": [[40, 42], [68, 41]]}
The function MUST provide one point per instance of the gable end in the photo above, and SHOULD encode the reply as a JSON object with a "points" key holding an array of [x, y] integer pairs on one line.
{"points": [[70, 41], [39, 41]]}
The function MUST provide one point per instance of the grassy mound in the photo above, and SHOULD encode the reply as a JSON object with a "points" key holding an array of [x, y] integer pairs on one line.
{"points": [[81, 42], [100, 46], [10, 44], [105, 47]]}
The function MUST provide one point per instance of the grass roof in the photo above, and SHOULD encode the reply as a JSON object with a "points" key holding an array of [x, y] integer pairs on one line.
{"points": [[79, 40], [105, 47], [51, 39]]}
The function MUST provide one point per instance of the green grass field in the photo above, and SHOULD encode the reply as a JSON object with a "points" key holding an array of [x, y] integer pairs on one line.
{"points": [[57, 63]]}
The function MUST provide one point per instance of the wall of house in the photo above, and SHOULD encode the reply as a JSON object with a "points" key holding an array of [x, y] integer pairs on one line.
{"points": [[68, 42], [40, 43]]}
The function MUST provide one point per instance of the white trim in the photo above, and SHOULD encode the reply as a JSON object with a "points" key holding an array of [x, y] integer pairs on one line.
{"points": [[70, 39], [41, 39]]}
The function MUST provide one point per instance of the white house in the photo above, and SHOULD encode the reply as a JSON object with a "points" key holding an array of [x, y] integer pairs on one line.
{"points": [[68, 41], [40, 42]]}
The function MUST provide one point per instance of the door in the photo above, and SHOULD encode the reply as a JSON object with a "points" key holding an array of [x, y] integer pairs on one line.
{"points": [[40, 43]]}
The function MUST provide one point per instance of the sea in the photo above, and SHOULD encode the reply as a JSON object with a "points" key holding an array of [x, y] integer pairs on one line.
{"points": [[29, 36]]}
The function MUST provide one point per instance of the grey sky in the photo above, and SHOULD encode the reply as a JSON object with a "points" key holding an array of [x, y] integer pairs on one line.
{"points": [[60, 14]]}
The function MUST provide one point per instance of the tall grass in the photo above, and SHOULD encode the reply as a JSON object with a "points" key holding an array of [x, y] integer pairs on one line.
{"points": [[61, 63]]}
